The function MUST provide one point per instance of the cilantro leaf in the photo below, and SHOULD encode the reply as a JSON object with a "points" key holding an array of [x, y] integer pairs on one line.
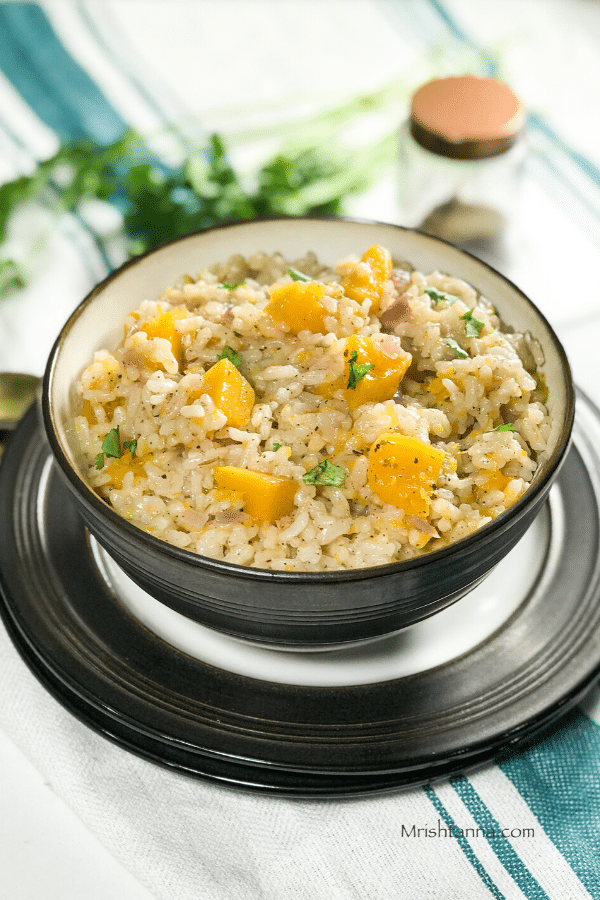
{"points": [[111, 448], [12, 276], [357, 371], [276, 446], [111, 445], [131, 446], [158, 200], [458, 350], [231, 286], [473, 327], [438, 296], [232, 355], [508, 426], [295, 275], [326, 474]]}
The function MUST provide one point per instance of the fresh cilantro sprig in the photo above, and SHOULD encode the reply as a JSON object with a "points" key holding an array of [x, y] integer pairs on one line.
{"points": [[439, 296], [232, 355], [508, 426], [160, 201], [113, 449], [459, 352], [324, 474], [473, 327], [295, 275], [12, 276], [356, 370]]}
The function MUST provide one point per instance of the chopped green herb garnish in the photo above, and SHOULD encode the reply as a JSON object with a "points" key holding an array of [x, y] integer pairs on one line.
{"points": [[111, 444], [131, 446], [232, 355], [111, 448], [458, 350], [357, 370], [508, 426], [231, 286], [312, 171], [473, 327], [438, 296], [276, 447], [12, 276], [295, 275], [326, 474]]}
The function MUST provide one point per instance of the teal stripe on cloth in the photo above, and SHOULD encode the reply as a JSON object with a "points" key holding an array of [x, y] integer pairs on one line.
{"points": [[57, 89], [559, 778], [499, 844], [462, 842]]}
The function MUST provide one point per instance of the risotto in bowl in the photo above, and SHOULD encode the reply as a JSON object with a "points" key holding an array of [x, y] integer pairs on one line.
{"points": [[308, 432]]}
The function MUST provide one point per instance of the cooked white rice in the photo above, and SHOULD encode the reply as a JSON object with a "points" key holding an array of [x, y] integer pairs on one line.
{"points": [[466, 377]]}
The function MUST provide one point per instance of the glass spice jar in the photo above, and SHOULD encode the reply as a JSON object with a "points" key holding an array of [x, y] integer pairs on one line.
{"points": [[462, 154]]}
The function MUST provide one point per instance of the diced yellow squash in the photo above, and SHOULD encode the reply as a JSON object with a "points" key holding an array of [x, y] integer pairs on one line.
{"points": [[230, 392], [379, 384], [298, 305], [88, 412], [495, 481], [234, 498], [109, 409], [403, 471], [438, 388], [368, 277], [266, 497], [118, 468], [163, 326]]}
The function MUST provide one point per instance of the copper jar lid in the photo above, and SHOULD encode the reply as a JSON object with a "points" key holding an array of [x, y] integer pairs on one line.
{"points": [[466, 117]]}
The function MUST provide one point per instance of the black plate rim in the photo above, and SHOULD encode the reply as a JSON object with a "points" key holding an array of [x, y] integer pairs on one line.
{"points": [[253, 770]]}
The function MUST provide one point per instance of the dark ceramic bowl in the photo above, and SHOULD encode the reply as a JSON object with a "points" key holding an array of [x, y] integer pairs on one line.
{"points": [[290, 609]]}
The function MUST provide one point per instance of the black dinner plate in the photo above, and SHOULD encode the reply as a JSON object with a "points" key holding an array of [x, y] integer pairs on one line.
{"points": [[295, 740]]}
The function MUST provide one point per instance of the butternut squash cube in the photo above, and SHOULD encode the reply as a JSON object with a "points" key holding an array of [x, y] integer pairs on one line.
{"points": [[403, 471], [118, 468], [378, 384], [163, 326], [368, 277], [266, 497], [109, 409], [229, 391], [298, 305]]}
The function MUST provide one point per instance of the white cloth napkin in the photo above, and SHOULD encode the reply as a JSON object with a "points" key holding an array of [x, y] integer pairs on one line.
{"points": [[184, 839]]}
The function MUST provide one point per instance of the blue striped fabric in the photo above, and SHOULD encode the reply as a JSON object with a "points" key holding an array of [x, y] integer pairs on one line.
{"points": [[560, 780], [60, 92], [463, 842], [558, 777]]}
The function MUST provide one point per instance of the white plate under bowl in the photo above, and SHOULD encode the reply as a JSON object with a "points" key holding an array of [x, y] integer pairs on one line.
{"points": [[432, 642]]}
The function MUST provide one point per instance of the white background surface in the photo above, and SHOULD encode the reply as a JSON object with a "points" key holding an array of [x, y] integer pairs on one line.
{"points": [[553, 59]]}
